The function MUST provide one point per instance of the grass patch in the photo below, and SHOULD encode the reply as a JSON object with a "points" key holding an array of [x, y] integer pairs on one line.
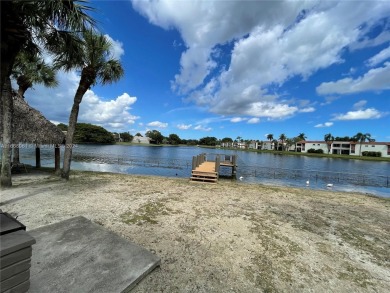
{"points": [[358, 276], [275, 263], [147, 213], [377, 247]]}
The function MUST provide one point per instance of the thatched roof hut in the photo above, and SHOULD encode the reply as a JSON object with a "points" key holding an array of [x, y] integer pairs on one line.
{"points": [[30, 126]]}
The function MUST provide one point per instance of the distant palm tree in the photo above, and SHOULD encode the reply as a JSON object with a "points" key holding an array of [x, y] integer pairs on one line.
{"points": [[276, 144], [361, 138], [289, 143], [295, 141], [270, 137], [31, 69], [97, 66], [329, 139], [282, 138], [302, 136]]}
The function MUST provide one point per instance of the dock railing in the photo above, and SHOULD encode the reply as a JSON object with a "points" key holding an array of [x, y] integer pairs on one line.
{"points": [[198, 160], [217, 162]]}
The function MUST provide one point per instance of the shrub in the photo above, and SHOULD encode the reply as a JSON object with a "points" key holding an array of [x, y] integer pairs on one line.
{"points": [[371, 154], [313, 151]]}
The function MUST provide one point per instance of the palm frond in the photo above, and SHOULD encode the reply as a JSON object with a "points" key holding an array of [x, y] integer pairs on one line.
{"points": [[111, 72]]}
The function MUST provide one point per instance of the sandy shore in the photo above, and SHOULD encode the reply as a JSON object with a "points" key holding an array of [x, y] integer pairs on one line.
{"points": [[227, 237]]}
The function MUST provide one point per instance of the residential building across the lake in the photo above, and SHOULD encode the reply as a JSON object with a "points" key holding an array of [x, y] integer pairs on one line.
{"points": [[346, 147]]}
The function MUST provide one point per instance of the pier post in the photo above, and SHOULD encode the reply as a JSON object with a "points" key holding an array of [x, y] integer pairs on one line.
{"points": [[57, 159], [217, 163], [234, 163], [194, 159], [37, 156]]}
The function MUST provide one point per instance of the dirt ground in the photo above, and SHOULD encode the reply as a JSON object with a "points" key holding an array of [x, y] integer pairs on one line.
{"points": [[224, 237]]}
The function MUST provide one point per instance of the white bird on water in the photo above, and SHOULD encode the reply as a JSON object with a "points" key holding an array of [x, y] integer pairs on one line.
{"points": [[307, 183], [241, 178], [329, 185]]}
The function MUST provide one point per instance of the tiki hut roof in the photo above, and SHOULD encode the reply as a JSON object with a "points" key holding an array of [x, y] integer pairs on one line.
{"points": [[30, 126]]}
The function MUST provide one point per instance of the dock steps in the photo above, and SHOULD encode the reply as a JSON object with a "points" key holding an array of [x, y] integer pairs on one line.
{"points": [[204, 177], [205, 173]]}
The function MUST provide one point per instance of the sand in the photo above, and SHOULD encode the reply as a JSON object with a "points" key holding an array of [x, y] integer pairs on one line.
{"points": [[224, 237]]}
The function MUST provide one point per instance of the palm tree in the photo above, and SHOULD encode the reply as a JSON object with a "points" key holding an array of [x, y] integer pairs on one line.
{"points": [[31, 69], [282, 138], [289, 143], [276, 144], [329, 139], [270, 137], [97, 66], [302, 136], [362, 137], [26, 25]]}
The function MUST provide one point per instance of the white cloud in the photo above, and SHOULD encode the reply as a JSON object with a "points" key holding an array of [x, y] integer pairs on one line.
{"points": [[202, 128], [158, 124], [117, 48], [375, 79], [184, 126], [359, 105], [366, 42], [112, 113], [55, 122], [56, 103], [329, 100], [253, 120], [272, 41], [326, 124], [380, 57], [237, 119], [307, 110], [369, 113]]}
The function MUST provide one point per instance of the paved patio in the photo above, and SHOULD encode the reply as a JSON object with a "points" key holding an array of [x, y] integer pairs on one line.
{"points": [[77, 255]]}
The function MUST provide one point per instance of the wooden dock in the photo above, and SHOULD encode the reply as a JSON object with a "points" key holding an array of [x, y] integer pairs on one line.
{"points": [[205, 169]]}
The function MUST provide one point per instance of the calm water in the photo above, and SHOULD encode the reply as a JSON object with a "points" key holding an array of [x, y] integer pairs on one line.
{"points": [[265, 168]]}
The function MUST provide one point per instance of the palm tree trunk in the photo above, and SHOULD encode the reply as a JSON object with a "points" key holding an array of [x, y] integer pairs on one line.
{"points": [[83, 87], [16, 157], [24, 84], [7, 111]]}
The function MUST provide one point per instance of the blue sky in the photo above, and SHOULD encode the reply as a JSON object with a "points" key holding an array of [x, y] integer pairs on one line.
{"points": [[238, 68]]}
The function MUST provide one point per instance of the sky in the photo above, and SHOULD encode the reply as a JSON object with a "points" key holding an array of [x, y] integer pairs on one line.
{"points": [[238, 69]]}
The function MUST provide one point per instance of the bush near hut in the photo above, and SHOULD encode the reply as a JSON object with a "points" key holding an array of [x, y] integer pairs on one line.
{"points": [[371, 154]]}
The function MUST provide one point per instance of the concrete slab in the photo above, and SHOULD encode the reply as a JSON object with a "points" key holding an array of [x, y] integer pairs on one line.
{"points": [[77, 255]]}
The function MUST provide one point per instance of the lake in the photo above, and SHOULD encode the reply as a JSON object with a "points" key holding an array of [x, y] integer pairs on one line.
{"points": [[265, 168]]}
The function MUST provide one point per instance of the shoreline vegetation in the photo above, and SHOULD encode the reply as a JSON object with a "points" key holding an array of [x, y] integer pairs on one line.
{"points": [[287, 153], [223, 237]]}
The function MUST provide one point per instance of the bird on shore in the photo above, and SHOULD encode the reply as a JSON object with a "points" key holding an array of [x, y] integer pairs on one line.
{"points": [[241, 178]]}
